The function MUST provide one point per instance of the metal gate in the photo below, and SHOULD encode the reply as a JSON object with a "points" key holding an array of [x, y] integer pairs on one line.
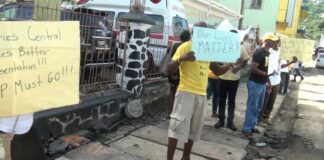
{"points": [[98, 41]]}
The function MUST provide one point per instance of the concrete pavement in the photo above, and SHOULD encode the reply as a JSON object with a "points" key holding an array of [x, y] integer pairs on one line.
{"points": [[150, 142], [311, 109]]}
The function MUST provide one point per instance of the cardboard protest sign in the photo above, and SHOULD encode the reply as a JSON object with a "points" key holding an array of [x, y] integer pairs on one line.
{"points": [[301, 48], [39, 66], [215, 46]]}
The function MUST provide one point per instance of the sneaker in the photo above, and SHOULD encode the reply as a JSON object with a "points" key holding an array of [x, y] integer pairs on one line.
{"points": [[262, 124], [232, 127], [219, 124], [254, 130], [248, 135], [302, 78], [214, 115]]}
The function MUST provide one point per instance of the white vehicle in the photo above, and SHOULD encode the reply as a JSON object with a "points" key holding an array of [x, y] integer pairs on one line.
{"points": [[320, 60], [168, 14]]}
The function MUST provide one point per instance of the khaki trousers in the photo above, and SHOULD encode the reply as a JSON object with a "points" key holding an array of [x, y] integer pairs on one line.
{"points": [[6, 140]]}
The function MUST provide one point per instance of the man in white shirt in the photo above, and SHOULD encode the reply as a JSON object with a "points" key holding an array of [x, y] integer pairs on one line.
{"points": [[274, 69], [271, 95], [284, 77]]}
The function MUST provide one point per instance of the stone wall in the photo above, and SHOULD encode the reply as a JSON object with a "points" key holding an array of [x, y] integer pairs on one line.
{"points": [[97, 111]]}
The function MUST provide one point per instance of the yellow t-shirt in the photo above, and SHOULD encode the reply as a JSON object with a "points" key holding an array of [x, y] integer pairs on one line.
{"points": [[212, 75], [193, 75], [229, 75]]}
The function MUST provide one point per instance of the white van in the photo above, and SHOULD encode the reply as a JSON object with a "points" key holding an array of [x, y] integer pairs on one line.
{"points": [[168, 14]]}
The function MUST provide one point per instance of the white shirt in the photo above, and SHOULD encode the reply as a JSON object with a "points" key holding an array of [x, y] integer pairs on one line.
{"points": [[16, 124], [286, 69], [295, 65], [274, 67]]}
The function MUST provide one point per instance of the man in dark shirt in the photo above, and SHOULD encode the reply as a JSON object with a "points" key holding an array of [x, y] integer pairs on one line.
{"points": [[257, 84]]}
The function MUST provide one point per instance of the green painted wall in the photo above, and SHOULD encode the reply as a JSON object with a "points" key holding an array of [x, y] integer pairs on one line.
{"points": [[265, 17], [194, 16], [234, 5]]}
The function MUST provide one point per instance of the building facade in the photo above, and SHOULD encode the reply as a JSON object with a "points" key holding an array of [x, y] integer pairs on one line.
{"points": [[288, 17], [262, 13], [234, 5], [209, 11]]}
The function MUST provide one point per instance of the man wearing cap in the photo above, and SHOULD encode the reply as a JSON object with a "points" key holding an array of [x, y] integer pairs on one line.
{"points": [[256, 85], [275, 79], [187, 116]]}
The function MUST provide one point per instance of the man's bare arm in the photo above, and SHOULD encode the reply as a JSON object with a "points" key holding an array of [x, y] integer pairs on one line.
{"points": [[219, 69], [173, 66], [256, 70]]}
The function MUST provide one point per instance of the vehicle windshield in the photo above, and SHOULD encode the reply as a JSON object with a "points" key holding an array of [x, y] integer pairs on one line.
{"points": [[179, 24], [159, 23], [17, 11], [25, 11], [91, 17], [321, 56], [157, 28]]}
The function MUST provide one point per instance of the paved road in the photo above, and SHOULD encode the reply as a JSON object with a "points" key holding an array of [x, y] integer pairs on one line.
{"points": [[310, 123], [150, 142]]}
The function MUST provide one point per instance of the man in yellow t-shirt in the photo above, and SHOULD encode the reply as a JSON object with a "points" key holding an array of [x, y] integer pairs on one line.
{"points": [[190, 101]]}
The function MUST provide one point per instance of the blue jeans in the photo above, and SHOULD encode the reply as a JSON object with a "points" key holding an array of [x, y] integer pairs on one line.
{"points": [[213, 89], [256, 94]]}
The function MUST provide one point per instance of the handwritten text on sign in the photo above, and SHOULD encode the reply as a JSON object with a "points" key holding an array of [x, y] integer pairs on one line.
{"points": [[301, 48], [212, 45], [39, 66]]}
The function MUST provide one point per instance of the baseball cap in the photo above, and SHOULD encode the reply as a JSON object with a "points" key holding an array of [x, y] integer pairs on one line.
{"points": [[270, 36]]}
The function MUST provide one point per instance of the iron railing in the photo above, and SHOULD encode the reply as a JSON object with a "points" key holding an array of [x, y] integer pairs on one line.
{"points": [[99, 38]]}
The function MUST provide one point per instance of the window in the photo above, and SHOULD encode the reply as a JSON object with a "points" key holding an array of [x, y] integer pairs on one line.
{"points": [[119, 23], [179, 25], [25, 12], [256, 4], [321, 56], [8, 12], [159, 24], [157, 28]]}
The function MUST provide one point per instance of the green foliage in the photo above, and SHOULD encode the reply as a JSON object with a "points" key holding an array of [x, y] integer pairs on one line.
{"points": [[314, 23], [321, 26]]}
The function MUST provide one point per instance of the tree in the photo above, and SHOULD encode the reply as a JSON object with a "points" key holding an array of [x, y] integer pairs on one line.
{"points": [[321, 25]]}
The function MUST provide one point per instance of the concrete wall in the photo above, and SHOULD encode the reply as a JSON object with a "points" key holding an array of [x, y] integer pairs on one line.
{"points": [[265, 17]]}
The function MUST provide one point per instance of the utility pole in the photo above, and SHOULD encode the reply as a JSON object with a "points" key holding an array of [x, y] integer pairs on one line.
{"points": [[241, 12]]}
